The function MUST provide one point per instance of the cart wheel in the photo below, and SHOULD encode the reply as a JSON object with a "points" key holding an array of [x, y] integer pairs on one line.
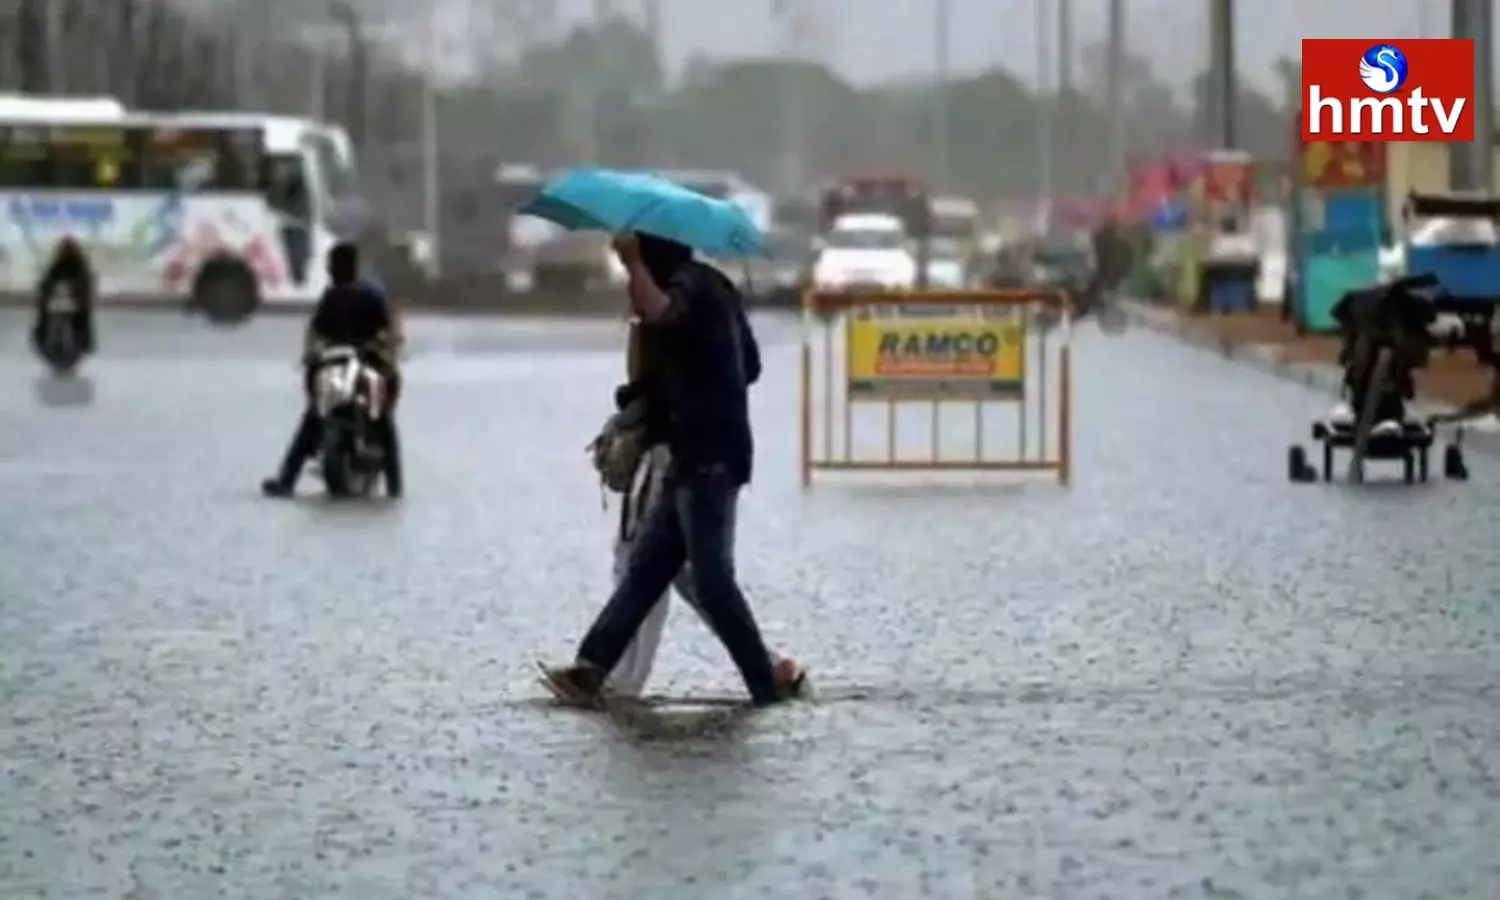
{"points": [[1328, 460], [1454, 467], [1297, 469]]}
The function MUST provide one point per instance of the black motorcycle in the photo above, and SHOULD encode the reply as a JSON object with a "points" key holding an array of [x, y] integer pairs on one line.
{"points": [[58, 336], [349, 394]]}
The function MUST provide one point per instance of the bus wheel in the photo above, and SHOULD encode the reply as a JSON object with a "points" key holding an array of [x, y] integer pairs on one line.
{"points": [[226, 291]]}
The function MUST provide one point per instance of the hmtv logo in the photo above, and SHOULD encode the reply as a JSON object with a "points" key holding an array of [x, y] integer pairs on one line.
{"points": [[1388, 90]]}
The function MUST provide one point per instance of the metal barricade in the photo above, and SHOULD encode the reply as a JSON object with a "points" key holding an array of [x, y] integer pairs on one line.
{"points": [[980, 350]]}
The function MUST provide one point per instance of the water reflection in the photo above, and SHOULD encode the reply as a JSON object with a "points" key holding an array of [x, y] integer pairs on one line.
{"points": [[64, 390]]}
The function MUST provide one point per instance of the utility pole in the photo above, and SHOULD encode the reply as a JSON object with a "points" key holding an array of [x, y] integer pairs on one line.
{"points": [[794, 36], [57, 70], [1463, 175], [1484, 95], [943, 124], [1114, 89], [603, 70], [241, 35], [358, 97], [317, 84], [431, 181], [1221, 74], [1047, 113], [1064, 47], [644, 142]]}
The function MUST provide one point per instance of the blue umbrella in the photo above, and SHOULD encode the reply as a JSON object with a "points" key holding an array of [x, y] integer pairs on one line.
{"points": [[616, 202]]}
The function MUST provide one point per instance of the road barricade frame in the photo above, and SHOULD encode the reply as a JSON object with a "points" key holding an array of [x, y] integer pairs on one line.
{"points": [[995, 348]]}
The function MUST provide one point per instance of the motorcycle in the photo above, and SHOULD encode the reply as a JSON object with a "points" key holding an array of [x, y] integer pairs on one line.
{"points": [[57, 338], [349, 395]]}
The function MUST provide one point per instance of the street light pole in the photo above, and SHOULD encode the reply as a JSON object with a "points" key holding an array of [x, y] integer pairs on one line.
{"points": [[1064, 47], [793, 170], [1221, 74], [52, 30], [1114, 89], [359, 70], [317, 86], [941, 129], [431, 178], [1046, 111], [1484, 95]]}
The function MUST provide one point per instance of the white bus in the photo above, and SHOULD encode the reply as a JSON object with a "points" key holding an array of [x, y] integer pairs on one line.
{"points": [[225, 210]]}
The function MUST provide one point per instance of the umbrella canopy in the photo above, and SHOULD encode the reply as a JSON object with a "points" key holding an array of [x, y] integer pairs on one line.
{"points": [[616, 202]]}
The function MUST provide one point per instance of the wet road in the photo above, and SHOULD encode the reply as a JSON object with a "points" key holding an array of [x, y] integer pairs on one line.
{"points": [[1183, 678]]}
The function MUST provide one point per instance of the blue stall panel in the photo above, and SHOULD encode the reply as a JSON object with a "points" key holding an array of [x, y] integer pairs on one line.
{"points": [[1468, 272]]}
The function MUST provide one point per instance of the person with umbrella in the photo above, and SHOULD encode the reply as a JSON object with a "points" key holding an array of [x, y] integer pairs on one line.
{"points": [[633, 457], [696, 314]]}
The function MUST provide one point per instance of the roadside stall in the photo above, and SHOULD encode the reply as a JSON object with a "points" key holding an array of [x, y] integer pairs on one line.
{"points": [[1337, 226], [1220, 260]]}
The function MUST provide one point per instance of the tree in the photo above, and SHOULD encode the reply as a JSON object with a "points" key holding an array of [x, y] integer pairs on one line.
{"points": [[596, 92]]}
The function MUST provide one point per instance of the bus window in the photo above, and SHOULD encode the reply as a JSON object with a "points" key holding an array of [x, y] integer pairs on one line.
{"points": [[72, 157], [24, 160], [200, 159]]}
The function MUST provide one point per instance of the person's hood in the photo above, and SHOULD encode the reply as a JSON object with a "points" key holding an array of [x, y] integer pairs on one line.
{"points": [[663, 258]]}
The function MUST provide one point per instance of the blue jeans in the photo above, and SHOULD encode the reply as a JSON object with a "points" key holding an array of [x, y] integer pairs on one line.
{"points": [[695, 527]]}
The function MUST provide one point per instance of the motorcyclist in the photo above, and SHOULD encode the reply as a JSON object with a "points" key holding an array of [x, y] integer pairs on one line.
{"points": [[69, 270], [1111, 257], [1395, 317], [351, 313]]}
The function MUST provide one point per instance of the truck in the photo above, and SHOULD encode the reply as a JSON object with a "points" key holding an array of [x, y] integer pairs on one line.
{"points": [[954, 257]]}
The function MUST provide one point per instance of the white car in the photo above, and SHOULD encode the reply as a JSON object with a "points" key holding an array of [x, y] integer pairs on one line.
{"points": [[865, 250], [947, 273]]}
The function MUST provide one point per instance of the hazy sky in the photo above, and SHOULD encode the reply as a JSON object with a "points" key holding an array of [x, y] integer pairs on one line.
{"points": [[873, 39]]}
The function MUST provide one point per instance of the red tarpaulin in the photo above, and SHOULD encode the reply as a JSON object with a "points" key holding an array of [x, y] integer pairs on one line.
{"points": [[1153, 184]]}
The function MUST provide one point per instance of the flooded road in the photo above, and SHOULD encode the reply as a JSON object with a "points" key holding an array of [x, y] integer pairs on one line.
{"points": [[1182, 678]]}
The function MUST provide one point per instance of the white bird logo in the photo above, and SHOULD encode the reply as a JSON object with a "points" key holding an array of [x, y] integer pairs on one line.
{"points": [[1383, 77]]}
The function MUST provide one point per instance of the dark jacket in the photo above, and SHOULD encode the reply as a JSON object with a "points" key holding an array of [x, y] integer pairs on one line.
{"points": [[353, 314], [69, 269], [701, 359]]}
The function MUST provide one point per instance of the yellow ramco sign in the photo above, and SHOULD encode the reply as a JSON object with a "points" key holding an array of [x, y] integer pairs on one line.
{"points": [[894, 356]]}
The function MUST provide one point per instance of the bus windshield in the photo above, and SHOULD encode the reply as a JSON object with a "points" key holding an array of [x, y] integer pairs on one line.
{"points": [[285, 186], [342, 181]]}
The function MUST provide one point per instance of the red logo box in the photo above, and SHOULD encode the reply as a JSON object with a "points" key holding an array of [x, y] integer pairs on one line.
{"points": [[1435, 102]]}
